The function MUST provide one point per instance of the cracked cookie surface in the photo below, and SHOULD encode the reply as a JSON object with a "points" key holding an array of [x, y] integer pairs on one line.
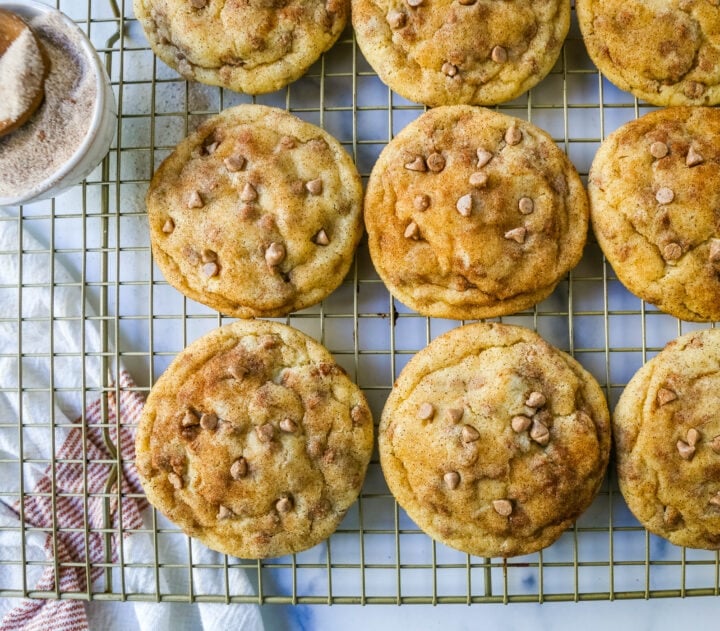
{"points": [[667, 442], [494, 441], [655, 209], [443, 52], [256, 213], [665, 52], [473, 214], [252, 46], [254, 441]]}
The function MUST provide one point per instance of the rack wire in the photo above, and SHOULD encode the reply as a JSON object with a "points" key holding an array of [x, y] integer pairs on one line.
{"points": [[97, 231]]}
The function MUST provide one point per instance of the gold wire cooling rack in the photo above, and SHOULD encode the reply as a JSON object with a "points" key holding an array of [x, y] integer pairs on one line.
{"points": [[378, 555]]}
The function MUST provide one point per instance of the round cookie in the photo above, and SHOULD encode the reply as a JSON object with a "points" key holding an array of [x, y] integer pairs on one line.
{"points": [[447, 52], [257, 213], [665, 52], [655, 209], [667, 442], [473, 214], [254, 441], [251, 46], [494, 441]]}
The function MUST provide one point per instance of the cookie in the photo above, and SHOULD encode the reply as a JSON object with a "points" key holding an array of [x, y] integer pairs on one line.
{"points": [[655, 208], [449, 52], [254, 46], [494, 441], [666, 52], [667, 442], [257, 213], [473, 214], [254, 441]]}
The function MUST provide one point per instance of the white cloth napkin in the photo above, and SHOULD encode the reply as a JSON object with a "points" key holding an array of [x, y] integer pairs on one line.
{"points": [[45, 420]]}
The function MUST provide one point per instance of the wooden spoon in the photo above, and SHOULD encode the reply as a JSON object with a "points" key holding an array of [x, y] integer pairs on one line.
{"points": [[11, 27]]}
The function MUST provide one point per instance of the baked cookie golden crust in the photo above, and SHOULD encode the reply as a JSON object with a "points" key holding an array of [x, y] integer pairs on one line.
{"points": [[494, 441], [667, 442], [446, 52], [655, 208], [665, 52], [473, 214], [257, 213], [254, 441], [251, 46]]}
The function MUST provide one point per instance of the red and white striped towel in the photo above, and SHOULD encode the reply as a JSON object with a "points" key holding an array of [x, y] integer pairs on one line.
{"points": [[76, 506]]}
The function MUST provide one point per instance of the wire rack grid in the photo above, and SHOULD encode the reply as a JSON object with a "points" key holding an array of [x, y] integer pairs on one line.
{"points": [[93, 247]]}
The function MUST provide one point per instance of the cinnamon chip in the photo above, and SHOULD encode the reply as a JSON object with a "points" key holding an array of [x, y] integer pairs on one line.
{"points": [[672, 251], [208, 255], [234, 163], [190, 419], [210, 269], [526, 205], [484, 156], [412, 231], [436, 162], [686, 451], [209, 421], [693, 158], [239, 469], [421, 202], [665, 396], [426, 411], [265, 432], [464, 205], [288, 425], [417, 164], [715, 444], [513, 135], [539, 433], [194, 200], [248, 194], [517, 234], [658, 150], [714, 254], [321, 238], [396, 19], [535, 400], [275, 254], [664, 195], [520, 423], [314, 187], [175, 480], [449, 69], [478, 179], [452, 480], [499, 55], [503, 507]]}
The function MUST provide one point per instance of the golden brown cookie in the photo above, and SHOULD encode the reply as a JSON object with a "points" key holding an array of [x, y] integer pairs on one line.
{"points": [[251, 46], [257, 213], [655, 208], [446, 52], [473, 214], [665, 52], [494, 441], [254, 441], [667, 442]]}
